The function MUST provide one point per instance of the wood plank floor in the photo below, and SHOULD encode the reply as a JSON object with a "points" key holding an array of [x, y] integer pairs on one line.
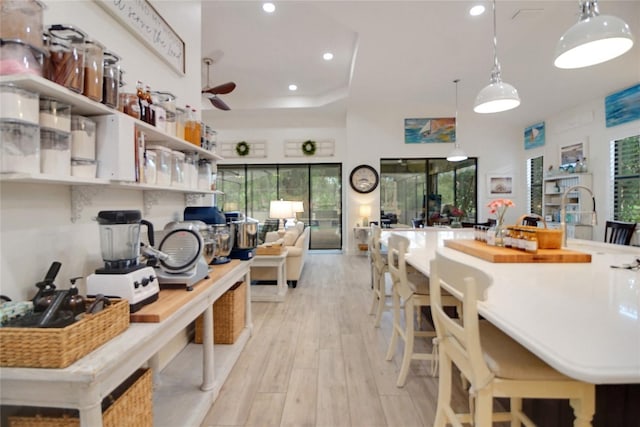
{"points": [[317, 360]]}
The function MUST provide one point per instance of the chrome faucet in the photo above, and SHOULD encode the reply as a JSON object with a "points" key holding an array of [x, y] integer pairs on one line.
{"points": [[563, 211]]}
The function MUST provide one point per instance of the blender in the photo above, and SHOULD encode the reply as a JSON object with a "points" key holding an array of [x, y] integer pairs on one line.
{"points": [[123, 275]]}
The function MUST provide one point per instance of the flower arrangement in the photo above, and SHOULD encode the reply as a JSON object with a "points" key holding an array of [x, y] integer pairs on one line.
{"points": [[453, 211], [499, 208], [242, 148]]}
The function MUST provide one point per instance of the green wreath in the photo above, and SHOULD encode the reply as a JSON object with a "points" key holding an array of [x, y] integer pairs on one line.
{"points": [[242, 148], [309, 148]]}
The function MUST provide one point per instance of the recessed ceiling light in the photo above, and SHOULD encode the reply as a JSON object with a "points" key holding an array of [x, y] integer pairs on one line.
{"points": [[476, 10], [269, 7], [293, 87], [328, 56]]}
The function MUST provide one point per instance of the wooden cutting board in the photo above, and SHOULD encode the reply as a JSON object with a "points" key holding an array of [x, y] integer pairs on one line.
{"points": [[509, 255], [172, 299]]}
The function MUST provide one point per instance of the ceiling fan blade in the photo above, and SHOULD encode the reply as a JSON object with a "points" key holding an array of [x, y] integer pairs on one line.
{"points": [[222, 89], [219, 103]]}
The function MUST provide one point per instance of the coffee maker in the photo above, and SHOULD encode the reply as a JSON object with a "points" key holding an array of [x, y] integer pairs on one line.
{"points": [[123, 275]]}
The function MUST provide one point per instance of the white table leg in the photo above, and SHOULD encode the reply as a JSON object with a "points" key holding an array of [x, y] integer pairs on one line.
{"points": [[208, 377], [92, 416]]}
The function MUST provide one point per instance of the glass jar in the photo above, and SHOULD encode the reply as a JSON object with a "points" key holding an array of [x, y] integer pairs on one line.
{"points": [[22, 20], [20, 148], [150, 163], [128, 104], [93, 70], [83, 168], [163, 164], [17, 57], [19, 104], [55, 115], [55, 152], [83, 138], [110, 79], [212, 136], [167, 101], [214, 176], [191, 170], [177, 169], [204, 175], [180, 120], [65, 62]]}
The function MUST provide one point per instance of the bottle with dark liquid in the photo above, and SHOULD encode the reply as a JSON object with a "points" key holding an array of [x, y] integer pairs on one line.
{"points": [[142, 102]]}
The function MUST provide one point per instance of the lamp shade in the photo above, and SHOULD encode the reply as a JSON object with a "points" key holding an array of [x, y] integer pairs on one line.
{"points": [[298, 206], [365, 210], [280, 209], [593, 40], [498, 96], [457, 155]]}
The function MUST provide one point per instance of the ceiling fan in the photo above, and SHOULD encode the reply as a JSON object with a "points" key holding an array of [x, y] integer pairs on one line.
{"points": [[213, 92]]}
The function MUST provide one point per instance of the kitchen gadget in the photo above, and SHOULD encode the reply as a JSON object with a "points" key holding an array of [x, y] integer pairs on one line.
{"points": [[123, 276], [219, 231]]}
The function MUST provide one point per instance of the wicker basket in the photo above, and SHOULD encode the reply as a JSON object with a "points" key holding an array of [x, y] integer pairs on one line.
{"points": [[60, 347], [129, 405], [228, 316], [547, 238]]}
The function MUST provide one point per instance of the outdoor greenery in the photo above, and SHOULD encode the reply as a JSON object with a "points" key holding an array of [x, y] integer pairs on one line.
{"points": [[626, 179]]}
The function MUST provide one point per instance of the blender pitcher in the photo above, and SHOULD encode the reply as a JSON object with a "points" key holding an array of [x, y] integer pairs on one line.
{"points": [[120, 240]]}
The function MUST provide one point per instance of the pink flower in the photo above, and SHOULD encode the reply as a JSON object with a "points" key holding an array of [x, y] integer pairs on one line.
{"points": [[499, 208]]}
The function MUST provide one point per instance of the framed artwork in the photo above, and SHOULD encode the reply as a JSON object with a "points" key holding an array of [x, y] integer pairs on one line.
{"points": [[430, 130], [571, 154], [499, 185], [144, 22], [534, 136], [622, 107]]}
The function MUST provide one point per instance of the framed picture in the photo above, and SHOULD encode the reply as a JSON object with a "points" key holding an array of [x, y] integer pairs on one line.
{"points": [[622, 107], [430, 130], [500, 185], [571, 154], [534, 136]]}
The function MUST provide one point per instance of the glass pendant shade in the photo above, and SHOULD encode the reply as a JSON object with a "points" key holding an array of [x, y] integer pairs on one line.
{"points": [[593, 40], [457, 155]]}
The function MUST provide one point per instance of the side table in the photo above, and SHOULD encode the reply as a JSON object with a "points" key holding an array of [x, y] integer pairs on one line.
{"points": [[270, 292]]}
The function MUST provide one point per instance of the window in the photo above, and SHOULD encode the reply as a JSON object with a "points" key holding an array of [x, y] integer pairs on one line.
{"points": [[427, 191], [251, 188], [535, 184], [625, 178]]}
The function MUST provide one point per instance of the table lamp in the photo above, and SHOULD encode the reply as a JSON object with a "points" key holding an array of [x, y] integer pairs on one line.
{"points": [[280, 209], [365, 211]]}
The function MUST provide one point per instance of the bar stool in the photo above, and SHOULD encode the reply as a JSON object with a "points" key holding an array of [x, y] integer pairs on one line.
{"points": [[415, 294], [378, 270], [494, 364]]}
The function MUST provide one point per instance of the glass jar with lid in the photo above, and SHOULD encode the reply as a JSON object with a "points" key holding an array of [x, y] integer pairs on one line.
{"points": [[110, 79], [93, 70], [167, 101], [22, 20], [191, 170], [65, 62], [204, 175], [17, 57], [180, 120], [177, 169], [163, 164]]}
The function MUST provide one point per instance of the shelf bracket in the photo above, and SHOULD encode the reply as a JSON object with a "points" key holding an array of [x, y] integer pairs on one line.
{"points": [[81, 196]]}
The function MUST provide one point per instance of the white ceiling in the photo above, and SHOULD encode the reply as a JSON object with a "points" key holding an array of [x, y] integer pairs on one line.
{"points": [[390, 53]]}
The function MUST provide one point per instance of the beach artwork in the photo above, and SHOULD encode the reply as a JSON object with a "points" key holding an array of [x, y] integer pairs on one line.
{"points": [[534, 136], [623, 107], [433, 130]]}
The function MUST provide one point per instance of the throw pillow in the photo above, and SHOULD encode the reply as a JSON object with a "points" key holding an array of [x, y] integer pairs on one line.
{"points": [[290, 237], [300, 227]]}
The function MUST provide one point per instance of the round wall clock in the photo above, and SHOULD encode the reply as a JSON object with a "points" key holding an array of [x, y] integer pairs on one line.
{"points": [[364, 179]]}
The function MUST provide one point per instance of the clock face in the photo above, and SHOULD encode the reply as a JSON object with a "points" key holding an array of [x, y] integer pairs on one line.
{"points": [[364, 179]]}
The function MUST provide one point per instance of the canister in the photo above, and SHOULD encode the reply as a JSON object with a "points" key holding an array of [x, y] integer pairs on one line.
{"points": [[180, 120], [177, 169], [55, 152], [66, 59], [150, 163], [83, 138], [22, 20], [17, 57], [84, 168], [191, 170], [19, 104], [128, 104], [163, 164], [204, 174], [20, 148], [93, 70], [167, 101], [111, 79], [55, 115]]}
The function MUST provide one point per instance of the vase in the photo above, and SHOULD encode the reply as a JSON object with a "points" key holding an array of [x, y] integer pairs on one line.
{"points": [[455, 223], [500, 233]]}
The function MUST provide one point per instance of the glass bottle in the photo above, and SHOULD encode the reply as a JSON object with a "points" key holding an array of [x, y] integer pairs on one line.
{"points": [[142, 102]]}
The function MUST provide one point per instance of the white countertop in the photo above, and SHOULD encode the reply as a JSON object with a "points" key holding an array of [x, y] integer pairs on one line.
{"points": [[583, 319]]}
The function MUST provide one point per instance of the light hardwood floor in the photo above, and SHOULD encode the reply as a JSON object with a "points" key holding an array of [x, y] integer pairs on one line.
{"points": [[317, 360]]}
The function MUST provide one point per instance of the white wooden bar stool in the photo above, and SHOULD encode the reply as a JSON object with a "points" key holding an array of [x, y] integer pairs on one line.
{"points": [[494, 364], [414, 294], [379, 271]]}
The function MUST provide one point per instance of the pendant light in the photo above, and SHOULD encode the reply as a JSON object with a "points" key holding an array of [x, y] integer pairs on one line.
{"points": [[497, 96], [593, 39], [457, 155]]}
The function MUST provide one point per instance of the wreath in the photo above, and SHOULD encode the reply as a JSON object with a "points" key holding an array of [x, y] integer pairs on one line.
{"points": [[309, 148], [242, 148]]}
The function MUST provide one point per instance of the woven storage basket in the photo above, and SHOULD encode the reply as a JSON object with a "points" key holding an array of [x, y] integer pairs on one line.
{"points": [[547, 238], [132, 406], [228, 316], [60, 347]]}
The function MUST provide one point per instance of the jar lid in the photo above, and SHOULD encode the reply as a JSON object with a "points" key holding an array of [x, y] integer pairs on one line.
{"points": [[34, 49], [158, 147], [67, 32], [149, 153], [110, 58], [164, 96]]}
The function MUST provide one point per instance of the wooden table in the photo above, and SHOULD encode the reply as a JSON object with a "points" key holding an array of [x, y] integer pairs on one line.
{"points": [[269, 292], [182, 394]]}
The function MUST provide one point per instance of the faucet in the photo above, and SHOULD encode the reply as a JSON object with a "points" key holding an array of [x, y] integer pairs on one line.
{"points": [[563, 211]]}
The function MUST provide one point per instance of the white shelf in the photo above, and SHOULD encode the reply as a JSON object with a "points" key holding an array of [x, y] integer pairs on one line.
{"points": [[42, 178]]}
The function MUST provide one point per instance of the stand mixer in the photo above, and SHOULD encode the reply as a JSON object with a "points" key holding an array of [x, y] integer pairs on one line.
{"points": [[123, 276]]}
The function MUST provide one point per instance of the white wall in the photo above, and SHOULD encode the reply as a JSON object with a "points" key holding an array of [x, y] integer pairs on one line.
{"points": [[35, 225]]}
